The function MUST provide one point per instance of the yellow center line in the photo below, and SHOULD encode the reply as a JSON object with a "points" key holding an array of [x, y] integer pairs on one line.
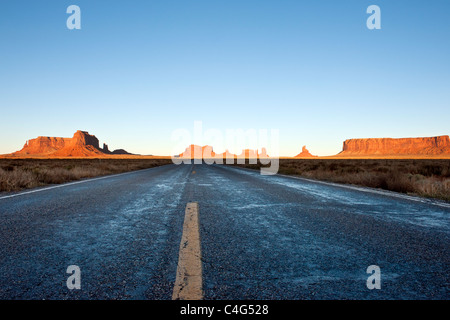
{"points": [[189, 282]]}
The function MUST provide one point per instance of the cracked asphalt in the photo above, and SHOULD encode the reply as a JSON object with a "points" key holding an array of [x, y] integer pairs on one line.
{"points": [[262, 237]]}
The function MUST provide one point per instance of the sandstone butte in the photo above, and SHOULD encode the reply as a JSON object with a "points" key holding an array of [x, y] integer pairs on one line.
{"points": [[429, 146], [305, 154], [81, 145], [205, 152]]}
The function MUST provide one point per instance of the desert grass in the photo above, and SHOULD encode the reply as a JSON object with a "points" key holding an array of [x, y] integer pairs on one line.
{"points": [[428, 178], [21, 174], [423, 177]]}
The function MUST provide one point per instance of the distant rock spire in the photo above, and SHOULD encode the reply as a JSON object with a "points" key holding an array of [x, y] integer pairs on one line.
{"points": [[305, 153]]}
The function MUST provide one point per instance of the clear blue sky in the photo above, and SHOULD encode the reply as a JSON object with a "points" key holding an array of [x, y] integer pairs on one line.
{"points": [[137, 70]]}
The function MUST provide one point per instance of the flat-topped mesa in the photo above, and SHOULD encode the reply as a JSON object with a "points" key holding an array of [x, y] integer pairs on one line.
{"points": [[43, 145], [82, 144], [403, 146], [305, 154]]}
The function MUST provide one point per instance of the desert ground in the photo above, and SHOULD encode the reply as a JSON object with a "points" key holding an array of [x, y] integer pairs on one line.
{"points": [[422, 177], [17, 174]]}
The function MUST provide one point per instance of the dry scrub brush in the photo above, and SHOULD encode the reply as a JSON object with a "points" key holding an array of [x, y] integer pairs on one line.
{"points": [[429, 178], [29, 173]]}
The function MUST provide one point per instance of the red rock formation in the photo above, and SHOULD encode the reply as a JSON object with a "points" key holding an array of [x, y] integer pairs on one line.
{"points": [[251, 154], [205, 152], [404, 146], [81, 145], [42, 145], [248, 154], [120, 151], [304, 154], [197, 152], [227, 154], [263, 153]]}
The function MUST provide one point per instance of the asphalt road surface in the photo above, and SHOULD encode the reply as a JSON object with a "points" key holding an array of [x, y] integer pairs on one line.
{"points": [[262, 237]]}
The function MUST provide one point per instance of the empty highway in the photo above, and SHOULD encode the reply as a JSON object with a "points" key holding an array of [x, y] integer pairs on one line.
{"points": [[261, 237]]}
